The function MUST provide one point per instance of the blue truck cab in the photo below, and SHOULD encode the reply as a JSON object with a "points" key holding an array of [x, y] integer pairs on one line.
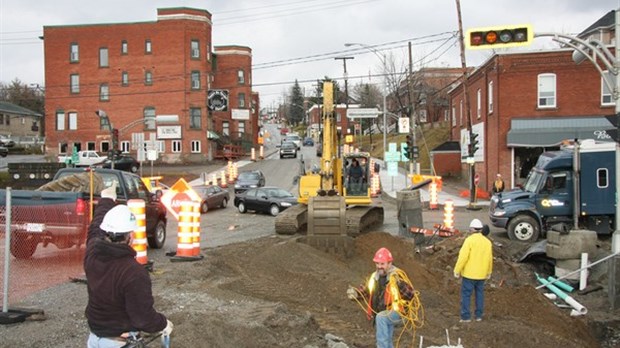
{"points": [[554, 189]]}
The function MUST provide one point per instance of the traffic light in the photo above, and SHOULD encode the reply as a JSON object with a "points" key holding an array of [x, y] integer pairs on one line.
{"points": [[473, 143], [409, 148], [114, 138], [499, 37]]}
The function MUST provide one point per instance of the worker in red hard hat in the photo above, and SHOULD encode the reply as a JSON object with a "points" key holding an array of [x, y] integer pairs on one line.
{"points": [[388, 294]]}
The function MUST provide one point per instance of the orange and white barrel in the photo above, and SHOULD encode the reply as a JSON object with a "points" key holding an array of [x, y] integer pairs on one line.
{"points": [[223, 183], [261, 152], [231, 175], [432, 196], [235, 171], [196, 228], [214, 179], [185, 234], [139, 243], [253, 155], [448, 214], [375, 188]]}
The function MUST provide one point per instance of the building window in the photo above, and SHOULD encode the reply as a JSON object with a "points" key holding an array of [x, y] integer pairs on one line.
{"points": [[74, 55], [149, 118], [125, 146], [602, 178], [422, 115], [241, 100], [490, 97], [90, 146], [148, 77], [208, 52], [241, 127], [453, 116], [606, 94], [195, 146], [60, 120], [240, 77], [73, 121], [461, 113], [125, 78], [103, 57], [546, 91], [194, 118], [104, 92], [75, 83], [225, 128], [479, 103], [195, 49], [176, 146], [195, 79], [124, 47], [148, 48]]}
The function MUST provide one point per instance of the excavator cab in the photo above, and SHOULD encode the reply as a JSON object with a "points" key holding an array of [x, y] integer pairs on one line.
{"points": [[356, 174]]}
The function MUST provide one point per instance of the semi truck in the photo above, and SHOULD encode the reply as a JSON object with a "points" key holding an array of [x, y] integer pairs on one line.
{"points": [[573, 186]]}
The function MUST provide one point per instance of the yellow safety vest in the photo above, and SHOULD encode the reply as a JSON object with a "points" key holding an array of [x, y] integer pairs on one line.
{"points": [[392, 294]]}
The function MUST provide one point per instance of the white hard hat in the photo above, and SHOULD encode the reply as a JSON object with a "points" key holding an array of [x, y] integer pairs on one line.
{"points": [[475, 224], [119, 220]]}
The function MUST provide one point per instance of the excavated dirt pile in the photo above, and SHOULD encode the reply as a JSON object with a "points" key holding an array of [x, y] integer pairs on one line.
{"points": [[276, 291]]}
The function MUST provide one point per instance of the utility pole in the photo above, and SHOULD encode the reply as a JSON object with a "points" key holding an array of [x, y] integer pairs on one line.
{"points": [[412, 118], [346, 88]]}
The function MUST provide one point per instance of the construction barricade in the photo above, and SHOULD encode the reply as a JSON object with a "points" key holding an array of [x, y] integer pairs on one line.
{"points": [[261, 152], [185, 234], [448, 214], [223, 183], [433, 201], [196, 228], [139, 242], [253, 155], [375, 186]]}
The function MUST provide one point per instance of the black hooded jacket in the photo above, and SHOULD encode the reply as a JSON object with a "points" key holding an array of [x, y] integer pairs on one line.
{"points": [[119, 288]]}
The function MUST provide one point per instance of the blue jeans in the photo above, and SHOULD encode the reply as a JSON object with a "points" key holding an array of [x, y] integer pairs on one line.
{"points": [[467, 287], [384, 324], [103, 342]]}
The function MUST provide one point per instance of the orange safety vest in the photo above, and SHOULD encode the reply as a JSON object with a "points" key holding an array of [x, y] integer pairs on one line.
{"points": [[392, 294]]}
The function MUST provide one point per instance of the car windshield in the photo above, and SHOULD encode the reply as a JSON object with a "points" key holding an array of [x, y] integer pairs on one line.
{"points": [[278, 193], [288, 145], [293, 138], [248, 176]]}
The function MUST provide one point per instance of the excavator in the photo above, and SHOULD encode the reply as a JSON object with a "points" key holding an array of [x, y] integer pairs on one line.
{"points": [[330, 204]]}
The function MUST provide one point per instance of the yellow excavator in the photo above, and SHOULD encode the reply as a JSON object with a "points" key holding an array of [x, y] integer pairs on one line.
{"points": [[332, 202]]}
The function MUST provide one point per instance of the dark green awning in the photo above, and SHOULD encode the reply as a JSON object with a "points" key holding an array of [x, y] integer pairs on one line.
{"points": [[551, 131]]}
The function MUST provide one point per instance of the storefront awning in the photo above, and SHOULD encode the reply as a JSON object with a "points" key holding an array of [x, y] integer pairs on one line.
{"points": [[551, 131], [211, 135]]}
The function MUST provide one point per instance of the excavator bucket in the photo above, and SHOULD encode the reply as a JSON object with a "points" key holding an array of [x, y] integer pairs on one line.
{"points": [[327, 225]]}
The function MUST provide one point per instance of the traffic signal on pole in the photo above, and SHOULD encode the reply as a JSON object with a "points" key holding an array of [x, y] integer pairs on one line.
{"points": [[499, 37], [114, 138], [473, 143], [409, 148]]}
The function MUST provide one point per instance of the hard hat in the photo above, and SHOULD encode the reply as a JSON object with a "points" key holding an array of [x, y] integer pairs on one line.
{"points": [[499, 175], [119, 220], [383, 255], [475, 224]]}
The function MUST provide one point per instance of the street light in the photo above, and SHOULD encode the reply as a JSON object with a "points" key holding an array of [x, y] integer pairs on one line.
{"points": [[383, 60]]}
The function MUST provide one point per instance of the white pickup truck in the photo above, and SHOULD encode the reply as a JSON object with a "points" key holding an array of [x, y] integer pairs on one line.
{"points": [[84, 158]]}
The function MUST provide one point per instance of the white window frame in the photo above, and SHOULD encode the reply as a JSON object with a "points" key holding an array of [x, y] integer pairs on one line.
{"points": [[195, 146], [226, 128], [607, 97], [75, 83], [241, 127], [547, 91], [149, 119], [195, 49], [125, 78], [195, 79], [73, 120], [490, 97], [60, 120], [148, 46], [192, 117], [124, 47], [479, 103], [104, 92], [453, 116], [74, 52], [177, 146], [461, 113], [104, 57], [240, 76], [148, 77], [125, 146], [241, 100]]}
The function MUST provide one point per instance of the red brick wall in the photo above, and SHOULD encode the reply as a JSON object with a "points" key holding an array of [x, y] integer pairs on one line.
{"points": [[447, 164]]}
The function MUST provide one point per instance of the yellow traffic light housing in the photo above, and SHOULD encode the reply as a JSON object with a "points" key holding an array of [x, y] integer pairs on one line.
{"points": [[499, 37]]}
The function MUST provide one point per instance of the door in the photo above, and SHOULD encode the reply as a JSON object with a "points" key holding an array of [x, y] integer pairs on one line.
{"points": [[555, 198]]}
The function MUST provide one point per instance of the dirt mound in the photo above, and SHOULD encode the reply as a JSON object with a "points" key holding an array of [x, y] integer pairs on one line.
{"points": [[276, 291]]}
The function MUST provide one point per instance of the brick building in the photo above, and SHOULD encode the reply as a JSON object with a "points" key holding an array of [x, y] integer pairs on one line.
{"points": [[137, 71]]}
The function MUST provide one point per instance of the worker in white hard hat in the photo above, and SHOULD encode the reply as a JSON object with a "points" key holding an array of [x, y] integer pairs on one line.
{"points": [[474, 264], [120, 301]]}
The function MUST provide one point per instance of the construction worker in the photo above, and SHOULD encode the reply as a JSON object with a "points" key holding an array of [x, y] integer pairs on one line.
{"points": [[498, 184], [388, 293], [475, 264], [120, 301]]}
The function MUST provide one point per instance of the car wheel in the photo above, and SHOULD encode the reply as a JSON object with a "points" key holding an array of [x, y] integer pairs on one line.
{"points": [[224, 203], [23, 245], [204, 207], [158, 238], [274, 210], [523, 228], [295, 156], [134, 169], [241, 207], [280, 156]]}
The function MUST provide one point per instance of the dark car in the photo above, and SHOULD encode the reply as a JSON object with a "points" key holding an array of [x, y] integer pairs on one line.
{"points": [[4, 151], [6, 141], [269, 199], [126, 163], [249, 179], [212, 197], [308, 142], [288, 149]]}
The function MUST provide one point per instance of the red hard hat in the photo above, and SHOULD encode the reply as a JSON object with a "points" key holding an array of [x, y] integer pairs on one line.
{"points": [[383, 255]]}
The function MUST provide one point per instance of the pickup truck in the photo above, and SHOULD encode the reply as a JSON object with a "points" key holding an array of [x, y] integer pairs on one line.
{"points": [[84, 158], [62, 218]]}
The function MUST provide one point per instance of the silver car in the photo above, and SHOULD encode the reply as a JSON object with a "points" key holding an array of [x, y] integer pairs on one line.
{"points": [[288, 149]]}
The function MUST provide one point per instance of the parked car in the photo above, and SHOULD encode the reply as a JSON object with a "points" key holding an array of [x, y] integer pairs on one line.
{"points": [[4, 151], [293, 138], [267, 199], [126, 163], [249, 179], [6, 141], [308, 142], [283, 131], [212, 197], [288, 149]]}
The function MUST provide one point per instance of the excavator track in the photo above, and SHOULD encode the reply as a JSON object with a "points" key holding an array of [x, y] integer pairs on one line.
{"points": [[361, 219], [293, 220]]}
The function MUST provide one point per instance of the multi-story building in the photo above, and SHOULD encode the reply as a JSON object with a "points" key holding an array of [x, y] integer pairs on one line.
{"points": [[135, 72]]}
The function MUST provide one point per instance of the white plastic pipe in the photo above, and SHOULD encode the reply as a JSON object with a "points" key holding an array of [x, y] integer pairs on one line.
{"points": [[571, 301], [576, 305], [583, 275]]}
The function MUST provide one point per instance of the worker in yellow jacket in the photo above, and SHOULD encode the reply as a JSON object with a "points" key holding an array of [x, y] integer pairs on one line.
{"points": [[475, 264]]}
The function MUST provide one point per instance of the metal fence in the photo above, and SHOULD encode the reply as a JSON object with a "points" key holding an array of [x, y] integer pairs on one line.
{"points": [[31, 260]]}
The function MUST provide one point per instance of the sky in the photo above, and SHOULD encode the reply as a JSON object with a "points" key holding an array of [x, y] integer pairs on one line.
{"points": [[299, 40]]}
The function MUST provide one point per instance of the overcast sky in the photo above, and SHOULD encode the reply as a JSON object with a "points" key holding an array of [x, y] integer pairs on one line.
{"points": [[293, 39]]}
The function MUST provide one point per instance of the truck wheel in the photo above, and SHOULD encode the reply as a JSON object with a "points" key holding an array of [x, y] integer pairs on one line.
{"points": [[23, 245], [523, 228], [157, 240]]}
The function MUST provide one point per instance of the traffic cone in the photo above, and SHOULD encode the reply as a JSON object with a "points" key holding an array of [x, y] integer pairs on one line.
{"points": [[448, 214], [253, 155], [231, 175], [138, 242], [223, 183], [261, 153], [185, 234], [433, 196]]}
